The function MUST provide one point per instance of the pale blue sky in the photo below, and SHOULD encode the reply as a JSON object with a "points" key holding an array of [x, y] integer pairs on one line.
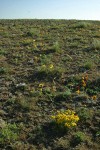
{"points": [[50, 9]]}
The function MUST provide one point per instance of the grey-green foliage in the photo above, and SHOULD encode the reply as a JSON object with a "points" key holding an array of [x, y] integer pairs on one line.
{"points": [[79, 137]]}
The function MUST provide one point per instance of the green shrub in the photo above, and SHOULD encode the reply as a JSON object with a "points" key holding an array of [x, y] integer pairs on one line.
{"points": [[9, 133], [63, 95], [88, 65], [79, 137], [3, 52], [33, 32], [84, 114]]}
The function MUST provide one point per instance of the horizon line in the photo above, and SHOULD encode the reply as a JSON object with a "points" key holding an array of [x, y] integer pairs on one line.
{"points": [[47, 19]]}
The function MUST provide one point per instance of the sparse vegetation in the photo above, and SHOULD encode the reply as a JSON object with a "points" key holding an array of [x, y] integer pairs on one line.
{"points": [[46, 67]]}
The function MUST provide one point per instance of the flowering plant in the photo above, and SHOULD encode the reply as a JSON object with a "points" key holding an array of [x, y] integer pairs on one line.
{"points": [[67, 118]]}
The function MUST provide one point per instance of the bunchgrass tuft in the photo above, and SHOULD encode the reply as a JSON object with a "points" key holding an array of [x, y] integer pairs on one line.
{"points": [[96, 44]]}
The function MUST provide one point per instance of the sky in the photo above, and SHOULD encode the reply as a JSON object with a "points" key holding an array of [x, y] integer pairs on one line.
{"points": [[50, 9]]}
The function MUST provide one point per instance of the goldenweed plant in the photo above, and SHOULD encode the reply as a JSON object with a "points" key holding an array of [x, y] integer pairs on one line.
{"points": [[67, 119]]}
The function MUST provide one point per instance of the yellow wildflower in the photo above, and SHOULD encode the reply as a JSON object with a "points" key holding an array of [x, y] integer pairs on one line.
{"points": [[73, 124], [51, 66], [53, 117], [94, 97], [82, 78], [43, 66], [41, 85], [78, 91], [66, 118], [86, 77], [76, 118], [67, 125], [83, 83]]}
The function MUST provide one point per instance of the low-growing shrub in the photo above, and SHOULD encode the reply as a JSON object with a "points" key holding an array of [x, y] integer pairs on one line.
{"points": [[79, 137], [9, 133], [84, 114]]}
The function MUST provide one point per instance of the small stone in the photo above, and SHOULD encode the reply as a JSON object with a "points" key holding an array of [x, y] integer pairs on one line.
{"points": [[31, 61], [21, 85]]}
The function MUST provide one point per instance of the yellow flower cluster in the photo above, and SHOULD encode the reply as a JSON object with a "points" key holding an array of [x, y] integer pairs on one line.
{"points": [[83, 83], [84, 80], [78, 91], [41, 85], [51, 66], [67, 119]]}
